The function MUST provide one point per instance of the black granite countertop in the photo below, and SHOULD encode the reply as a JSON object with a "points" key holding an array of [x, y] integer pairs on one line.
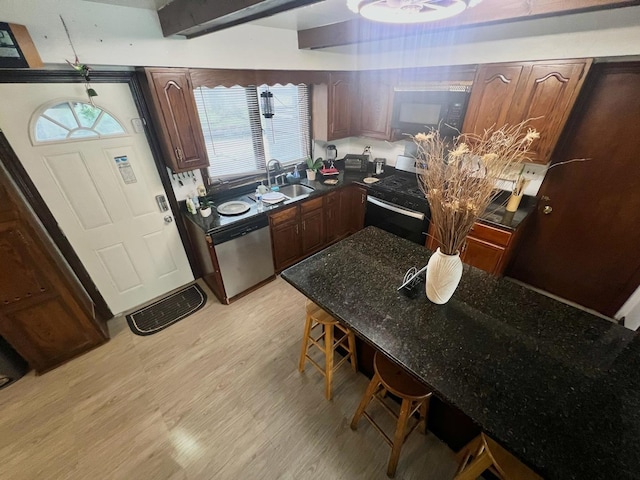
{"points": [[556, 386], [495, 215]]}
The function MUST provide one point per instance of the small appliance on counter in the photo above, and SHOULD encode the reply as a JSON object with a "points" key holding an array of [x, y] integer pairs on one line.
{"points": [[356, 163], [379, 164], [332, 153]]}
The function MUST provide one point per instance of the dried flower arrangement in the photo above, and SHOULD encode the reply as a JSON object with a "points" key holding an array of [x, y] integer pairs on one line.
{"points": [[459, 178]]}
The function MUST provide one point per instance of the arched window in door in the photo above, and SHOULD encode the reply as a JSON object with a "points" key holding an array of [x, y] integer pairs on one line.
{"points": [[73, 120]]}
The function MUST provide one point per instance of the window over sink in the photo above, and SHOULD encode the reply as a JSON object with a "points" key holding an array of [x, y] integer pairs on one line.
{"points": [[240, 140]]}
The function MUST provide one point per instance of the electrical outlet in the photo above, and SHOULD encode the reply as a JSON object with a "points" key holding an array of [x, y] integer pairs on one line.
{"points": [[533, 171]]}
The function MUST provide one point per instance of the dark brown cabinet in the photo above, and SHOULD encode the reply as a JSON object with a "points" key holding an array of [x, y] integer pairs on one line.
{"points": [[488, 248], [297, 232], [372, 117], [44, 314], [302, 230], [514, 92], [337, 209], [332, 107], [312, 225], [358, 208], [173, 104]]}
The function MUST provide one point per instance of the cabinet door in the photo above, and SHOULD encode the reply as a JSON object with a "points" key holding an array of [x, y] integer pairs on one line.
{"points": [[483, 255], [547, 95], [375, 102], [494, 90], [176, 111], [286, 244], [339, 108], [333, 217], [312, 231], [358, 208]]}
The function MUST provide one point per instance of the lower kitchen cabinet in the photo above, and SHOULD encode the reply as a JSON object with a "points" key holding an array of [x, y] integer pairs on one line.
{"points": [[337, 210], [304, 229], [488, 248]]}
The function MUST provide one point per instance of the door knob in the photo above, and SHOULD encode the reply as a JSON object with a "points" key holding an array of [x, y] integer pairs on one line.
{"points": [[547, 209], [168, 219]]}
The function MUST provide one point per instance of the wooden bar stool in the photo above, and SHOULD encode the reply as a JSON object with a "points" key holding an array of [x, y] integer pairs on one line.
{"points": [[483, 453], [316, 317], [390, 377]]}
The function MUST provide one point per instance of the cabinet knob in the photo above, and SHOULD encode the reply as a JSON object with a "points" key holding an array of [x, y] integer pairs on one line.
{"points": [[179, 154], [547, 209]]}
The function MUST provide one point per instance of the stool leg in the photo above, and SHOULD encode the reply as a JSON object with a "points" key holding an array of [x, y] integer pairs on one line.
{"points": [[366, 398], [398, 438], [305, 343], [352, 348], [474, 469], [424, 415], [328, 368]]}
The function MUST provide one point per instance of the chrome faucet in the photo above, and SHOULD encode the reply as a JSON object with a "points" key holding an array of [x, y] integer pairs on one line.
{"points": [[277, 168]]}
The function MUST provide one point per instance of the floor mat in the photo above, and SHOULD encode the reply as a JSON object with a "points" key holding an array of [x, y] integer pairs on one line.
{"points": [[167, 311]]}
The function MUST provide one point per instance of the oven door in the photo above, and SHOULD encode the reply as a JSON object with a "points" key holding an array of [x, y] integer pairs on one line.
{"points": [[398, 220]]}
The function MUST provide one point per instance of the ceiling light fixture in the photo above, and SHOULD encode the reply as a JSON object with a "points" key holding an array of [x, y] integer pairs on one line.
{"points": [[409, 11]]}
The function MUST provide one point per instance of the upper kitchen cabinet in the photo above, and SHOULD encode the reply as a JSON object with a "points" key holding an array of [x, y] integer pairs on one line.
{"points": [[174, 108], [514, 92], [372, 117], [332, 107]]}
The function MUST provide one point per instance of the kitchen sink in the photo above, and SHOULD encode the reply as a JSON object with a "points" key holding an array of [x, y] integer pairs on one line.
{"points": [[296, 190]]}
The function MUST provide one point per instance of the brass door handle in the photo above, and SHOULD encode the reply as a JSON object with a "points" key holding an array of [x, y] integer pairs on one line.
{"points": [[547, 209]]}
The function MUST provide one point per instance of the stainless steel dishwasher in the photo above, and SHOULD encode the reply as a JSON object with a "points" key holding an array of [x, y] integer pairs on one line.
{"points": [[244, 254]]}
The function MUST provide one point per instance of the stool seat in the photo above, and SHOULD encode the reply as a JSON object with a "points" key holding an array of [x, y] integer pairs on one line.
{"points": [[327, 343], [396, 380], [390, 377]]}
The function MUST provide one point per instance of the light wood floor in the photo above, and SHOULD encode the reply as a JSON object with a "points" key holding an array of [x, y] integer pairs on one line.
{"points": [[215, 396]]}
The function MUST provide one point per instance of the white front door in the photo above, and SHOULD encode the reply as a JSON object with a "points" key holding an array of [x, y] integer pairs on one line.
{"points": [[100, 189]]}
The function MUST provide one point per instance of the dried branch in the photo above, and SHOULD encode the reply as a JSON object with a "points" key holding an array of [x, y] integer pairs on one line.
{"points": [[459, 178]]}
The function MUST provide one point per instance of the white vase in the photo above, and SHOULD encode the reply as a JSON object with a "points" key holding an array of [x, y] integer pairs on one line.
{"points": [[311, 175], [443, 276], [205, 212]]}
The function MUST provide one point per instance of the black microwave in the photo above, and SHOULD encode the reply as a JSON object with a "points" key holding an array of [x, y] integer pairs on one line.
{"points": [[440, 107]]}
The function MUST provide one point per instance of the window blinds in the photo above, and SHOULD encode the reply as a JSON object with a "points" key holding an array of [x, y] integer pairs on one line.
{"points": [[239, 139]]}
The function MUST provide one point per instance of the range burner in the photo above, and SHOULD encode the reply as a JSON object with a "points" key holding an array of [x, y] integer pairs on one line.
{"points": [[401, 189]]}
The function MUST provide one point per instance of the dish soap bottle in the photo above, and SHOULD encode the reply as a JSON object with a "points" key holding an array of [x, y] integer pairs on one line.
{"points": [[259, 203], [190, 207]]}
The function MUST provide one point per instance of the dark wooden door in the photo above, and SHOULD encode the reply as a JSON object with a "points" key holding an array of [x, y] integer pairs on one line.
{"points": [[493, 93], [586, 248], [340, 98], [312, 235], [547, 94], [375, 101], [286, 244], [358, 208], [182, 134]]}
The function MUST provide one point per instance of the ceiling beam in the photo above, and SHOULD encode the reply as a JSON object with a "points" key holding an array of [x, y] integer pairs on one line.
{"points": [[193, 18], [486, 13]]}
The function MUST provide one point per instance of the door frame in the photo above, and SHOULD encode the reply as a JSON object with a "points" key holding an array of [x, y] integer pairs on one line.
{"points": [[15, 168]]}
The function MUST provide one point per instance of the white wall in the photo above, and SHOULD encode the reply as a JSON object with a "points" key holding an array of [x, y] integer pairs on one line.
{"points": [[116, 35], [631, 310]]}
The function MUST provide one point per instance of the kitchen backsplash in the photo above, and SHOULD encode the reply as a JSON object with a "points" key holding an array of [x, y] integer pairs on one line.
{"points": [[188, 187]]}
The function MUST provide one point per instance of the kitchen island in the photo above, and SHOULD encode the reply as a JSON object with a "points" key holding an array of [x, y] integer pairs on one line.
{"points": [[556, 386]]}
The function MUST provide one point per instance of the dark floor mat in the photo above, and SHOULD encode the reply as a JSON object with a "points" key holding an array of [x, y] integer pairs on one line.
{"points": [[171, 309]]}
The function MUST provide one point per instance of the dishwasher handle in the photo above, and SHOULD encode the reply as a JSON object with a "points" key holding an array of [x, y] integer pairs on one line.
{"points": [[233, 232]]}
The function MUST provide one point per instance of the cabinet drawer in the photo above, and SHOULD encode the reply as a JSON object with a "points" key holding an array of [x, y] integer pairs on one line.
{"points": [[283, 216], [310, 205], [490, 234]]}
